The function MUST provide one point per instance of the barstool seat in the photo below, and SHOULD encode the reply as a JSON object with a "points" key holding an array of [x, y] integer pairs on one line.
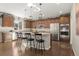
{"points": [[24, 37], [40, 41], [31, 39]]}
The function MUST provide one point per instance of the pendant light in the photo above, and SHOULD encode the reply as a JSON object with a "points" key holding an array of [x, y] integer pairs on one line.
{"points": [[40, 14]]}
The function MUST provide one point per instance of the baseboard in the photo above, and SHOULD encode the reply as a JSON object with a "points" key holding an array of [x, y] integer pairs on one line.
{"points": [[74, 51]]}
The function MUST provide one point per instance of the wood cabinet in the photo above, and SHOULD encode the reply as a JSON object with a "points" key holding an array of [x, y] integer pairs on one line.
{"points": [[6, 37], [44, 22], [64, 20], [27, 24], [7, 21]]}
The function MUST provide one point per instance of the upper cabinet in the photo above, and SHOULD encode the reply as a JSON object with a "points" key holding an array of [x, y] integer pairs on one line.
{"points": [[8, 20], [64, 20], [27, 24]]}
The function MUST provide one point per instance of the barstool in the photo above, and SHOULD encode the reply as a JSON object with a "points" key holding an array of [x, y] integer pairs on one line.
{"points": [[19, 35], [39, 41], [29, 39], [19, 38], [24, 36]]}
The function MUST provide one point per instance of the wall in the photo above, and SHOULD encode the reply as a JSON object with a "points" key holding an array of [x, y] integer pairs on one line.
{"points": [[74, 37], [0, 26], [0, 20], [0, 37]]}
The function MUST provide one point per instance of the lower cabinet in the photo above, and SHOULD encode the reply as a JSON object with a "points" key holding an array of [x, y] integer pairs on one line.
{"points": [[6, 37]]}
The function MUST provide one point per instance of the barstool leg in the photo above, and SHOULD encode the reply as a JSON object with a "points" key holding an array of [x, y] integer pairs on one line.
{"points": [[44, 49], [33, 44], [41, 49], [27, 43], [36, 48], [30, 44], [44, 46]]}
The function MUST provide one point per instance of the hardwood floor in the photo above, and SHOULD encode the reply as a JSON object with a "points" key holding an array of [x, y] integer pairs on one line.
{"points": [[16, 49]]}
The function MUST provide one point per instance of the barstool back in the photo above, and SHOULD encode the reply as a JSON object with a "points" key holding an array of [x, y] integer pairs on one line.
{"points": [[28, 35], [38, 36], [19, 34]]}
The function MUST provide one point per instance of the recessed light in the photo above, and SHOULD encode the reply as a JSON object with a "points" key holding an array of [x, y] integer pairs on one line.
{"points": [[60, 12]]}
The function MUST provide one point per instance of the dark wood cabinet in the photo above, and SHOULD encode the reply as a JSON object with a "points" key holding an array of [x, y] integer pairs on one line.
{"points": [[7, 21], [27, 24], [64, 20], [6, 37]]}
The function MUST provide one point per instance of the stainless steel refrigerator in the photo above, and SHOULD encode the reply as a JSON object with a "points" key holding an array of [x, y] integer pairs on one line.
{"points": [[54, 30]]}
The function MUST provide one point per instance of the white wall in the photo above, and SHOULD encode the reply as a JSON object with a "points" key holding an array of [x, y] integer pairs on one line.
{"points": [[0, 37], [0, 21], [0, 26], [74, 38]]}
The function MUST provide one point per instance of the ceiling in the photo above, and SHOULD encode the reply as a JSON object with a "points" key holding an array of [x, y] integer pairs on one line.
{"points": [[48, 10]]}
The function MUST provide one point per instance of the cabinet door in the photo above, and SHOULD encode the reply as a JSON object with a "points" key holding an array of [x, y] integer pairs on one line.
{"points": [[7, 21], [64, 20], [7, 37]]}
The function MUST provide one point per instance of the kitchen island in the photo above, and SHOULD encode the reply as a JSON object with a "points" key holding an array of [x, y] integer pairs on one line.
{"points": [[45, 37]]}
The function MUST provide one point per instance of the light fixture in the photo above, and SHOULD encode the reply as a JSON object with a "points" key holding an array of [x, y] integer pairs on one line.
{"points": [[30, 13], [36, 9], [25, 12], [40, 14], [25, 15]]}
